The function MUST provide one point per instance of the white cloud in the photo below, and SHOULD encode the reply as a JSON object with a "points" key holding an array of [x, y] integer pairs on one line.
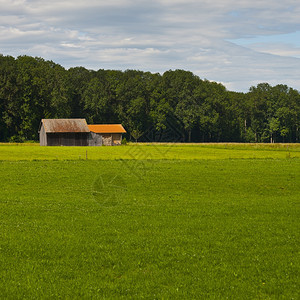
{"points": [[278, 49], [159, 35]]}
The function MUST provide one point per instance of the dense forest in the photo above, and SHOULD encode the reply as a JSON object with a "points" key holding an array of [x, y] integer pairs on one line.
{"points": [[175, 106]]}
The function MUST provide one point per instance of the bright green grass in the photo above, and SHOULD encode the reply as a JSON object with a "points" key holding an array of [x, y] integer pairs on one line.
{"points": [[164, 229], [15, 152]]}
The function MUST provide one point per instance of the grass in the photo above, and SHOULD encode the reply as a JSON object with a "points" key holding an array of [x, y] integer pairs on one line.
{"points": [[186, 228], [15, 152]]}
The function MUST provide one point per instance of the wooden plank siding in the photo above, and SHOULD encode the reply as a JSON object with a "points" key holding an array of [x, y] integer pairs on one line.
{"points": [[43, 136], [67, 139], [95, 139], [64, 132]]}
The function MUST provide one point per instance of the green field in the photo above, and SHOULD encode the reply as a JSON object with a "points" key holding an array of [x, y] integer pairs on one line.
{"points": [[14, 152], [210, 221]]}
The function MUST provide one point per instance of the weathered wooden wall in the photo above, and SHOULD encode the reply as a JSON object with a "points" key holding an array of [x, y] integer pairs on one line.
{"points": [[67, 139], [95, 139], [43, 136]]}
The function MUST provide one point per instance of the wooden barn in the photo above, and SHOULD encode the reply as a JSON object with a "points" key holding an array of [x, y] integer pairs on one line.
{"points": [[106, 134], [64, 132]]}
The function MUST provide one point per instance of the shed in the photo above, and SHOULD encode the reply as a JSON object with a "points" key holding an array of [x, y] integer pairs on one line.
{"points": [[63, 132], [106, 134]]}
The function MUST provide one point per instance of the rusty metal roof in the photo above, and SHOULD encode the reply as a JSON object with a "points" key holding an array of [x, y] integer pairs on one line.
{"points": [[65, 125], [107, 128]]}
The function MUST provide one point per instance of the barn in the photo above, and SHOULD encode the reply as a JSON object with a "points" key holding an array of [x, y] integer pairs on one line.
{"points": [[64, 132], [106, 134]]}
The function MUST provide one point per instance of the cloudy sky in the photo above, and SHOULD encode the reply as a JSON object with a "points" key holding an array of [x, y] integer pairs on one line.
{"points": [[239, 43]]}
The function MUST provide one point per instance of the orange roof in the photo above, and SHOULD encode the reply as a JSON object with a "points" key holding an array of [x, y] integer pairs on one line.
{"points": [[107, 128]]}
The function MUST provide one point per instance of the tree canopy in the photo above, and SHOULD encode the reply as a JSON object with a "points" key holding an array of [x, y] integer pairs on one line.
{"points": [[174, 106]]}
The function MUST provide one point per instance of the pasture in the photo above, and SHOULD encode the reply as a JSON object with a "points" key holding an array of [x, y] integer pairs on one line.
{"points": [[150, 221], [14, 152]]}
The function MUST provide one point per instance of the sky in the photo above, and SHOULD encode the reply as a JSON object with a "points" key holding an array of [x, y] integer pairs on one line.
{"points": [[238, 43]]}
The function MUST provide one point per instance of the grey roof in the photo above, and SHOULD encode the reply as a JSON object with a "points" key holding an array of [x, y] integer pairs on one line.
{"points": [[65, 125]]}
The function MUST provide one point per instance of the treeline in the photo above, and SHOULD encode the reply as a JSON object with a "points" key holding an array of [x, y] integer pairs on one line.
{"points": [[175, 106]]}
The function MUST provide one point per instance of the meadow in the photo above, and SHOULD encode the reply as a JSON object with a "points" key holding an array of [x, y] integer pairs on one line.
{"points": [[209, 221], [144, 151]]}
